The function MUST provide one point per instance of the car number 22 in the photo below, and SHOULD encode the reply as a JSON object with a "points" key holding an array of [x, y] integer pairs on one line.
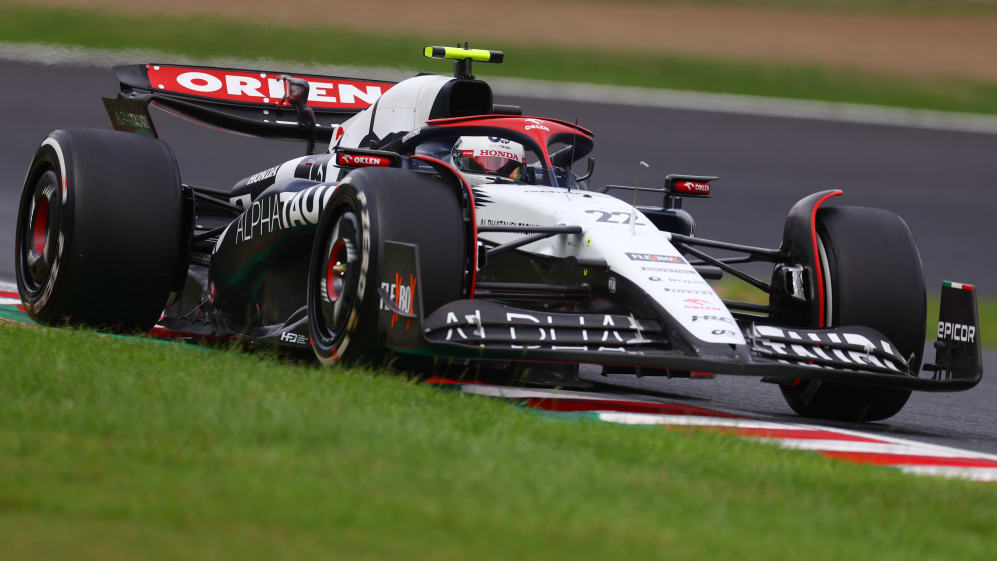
{"points": [[613, 217]]}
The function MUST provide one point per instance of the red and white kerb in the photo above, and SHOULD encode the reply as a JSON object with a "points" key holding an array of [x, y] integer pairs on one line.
{"points": [[908, 456]]}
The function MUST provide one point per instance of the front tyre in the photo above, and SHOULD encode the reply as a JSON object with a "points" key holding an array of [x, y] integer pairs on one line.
{"points": [[873, 277], [339, 279], [369, 207]]}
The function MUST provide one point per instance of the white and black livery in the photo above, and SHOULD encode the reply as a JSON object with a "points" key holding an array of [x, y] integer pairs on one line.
{"points": [[440, 225]]}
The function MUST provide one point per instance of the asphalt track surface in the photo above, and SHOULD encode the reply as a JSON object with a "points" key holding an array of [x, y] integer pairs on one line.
{"points": [[943, 183]]}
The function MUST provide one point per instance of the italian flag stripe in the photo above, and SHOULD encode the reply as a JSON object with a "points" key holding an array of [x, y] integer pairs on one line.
{"points": [[957, 285]]}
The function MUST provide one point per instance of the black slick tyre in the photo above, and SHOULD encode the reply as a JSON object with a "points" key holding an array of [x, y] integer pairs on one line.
{"points": [[369, 207], [99, 238], [873, 277]]}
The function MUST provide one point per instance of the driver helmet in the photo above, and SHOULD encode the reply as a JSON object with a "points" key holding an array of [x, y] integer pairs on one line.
{"points": [[489, 155]]}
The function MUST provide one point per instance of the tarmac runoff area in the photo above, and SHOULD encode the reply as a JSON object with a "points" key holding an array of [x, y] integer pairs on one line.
{"points": [[640, 409], [565, 91], [933, 169]]}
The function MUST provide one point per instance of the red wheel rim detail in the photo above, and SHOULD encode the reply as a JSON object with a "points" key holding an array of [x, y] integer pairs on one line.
{"points": [[330, 271], [39, 236]]}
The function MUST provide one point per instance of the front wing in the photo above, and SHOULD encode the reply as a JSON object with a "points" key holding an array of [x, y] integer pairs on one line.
{"points": [[490, 330]]}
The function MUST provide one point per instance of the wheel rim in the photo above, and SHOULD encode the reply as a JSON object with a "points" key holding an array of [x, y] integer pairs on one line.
{"points": [[336, 270], [338, 281], [40, 229], [39, 232]]}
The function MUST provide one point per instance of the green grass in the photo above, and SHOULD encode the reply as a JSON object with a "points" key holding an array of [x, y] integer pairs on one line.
{"points": [[203, 37], [115, 448], [735, 289], [890, 7]]}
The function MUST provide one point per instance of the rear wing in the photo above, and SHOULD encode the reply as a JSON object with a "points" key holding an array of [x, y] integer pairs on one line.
{"points": [[241, 101]]}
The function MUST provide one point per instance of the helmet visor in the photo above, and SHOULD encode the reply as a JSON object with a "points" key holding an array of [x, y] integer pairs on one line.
{"points": [[491, 165]]}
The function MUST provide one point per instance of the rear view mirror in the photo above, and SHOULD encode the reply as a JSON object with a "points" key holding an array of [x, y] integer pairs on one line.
{"points": [[296, 95]]}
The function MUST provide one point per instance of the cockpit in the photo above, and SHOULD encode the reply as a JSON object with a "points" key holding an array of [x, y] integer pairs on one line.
{"points": [[504, 149]]}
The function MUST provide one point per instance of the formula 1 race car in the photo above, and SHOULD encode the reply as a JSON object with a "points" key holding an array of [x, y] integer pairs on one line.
{"points": [[441, 226]]}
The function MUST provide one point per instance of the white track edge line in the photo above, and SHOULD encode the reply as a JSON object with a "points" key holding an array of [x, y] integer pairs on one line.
{"points": [[692, 420], [894, 443], [649, 419], [866, 448], [54, 54], [815, 445], [906, 442], [510, 392], [972, 473]]}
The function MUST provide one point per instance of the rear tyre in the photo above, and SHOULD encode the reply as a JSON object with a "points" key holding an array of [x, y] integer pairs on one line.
{"points": [[99, 230], [873, 277], [369, 207]]}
